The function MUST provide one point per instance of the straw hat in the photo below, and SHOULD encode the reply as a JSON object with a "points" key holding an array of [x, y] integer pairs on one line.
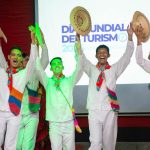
{"points": [[80, 20], [140, 18]]}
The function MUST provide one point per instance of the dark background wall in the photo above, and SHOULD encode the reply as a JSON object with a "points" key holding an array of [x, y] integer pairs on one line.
{"points": [[15, 17]]}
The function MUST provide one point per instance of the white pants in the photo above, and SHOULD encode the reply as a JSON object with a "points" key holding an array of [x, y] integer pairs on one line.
{"points": [[27, 132], [9, 126], [103, 129], [62, 135]]}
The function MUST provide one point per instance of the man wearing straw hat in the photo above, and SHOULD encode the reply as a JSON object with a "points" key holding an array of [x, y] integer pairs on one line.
{"points": [[102, 103]]}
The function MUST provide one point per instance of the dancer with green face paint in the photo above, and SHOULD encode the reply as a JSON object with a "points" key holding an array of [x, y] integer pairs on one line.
{"points": [[59, 99]]}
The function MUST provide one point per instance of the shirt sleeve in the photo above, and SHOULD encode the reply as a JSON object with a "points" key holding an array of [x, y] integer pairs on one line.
{"points": [[44, 56], [123, 62], [31, 63], [86, 65], [3, 62], [145, 64], [76, 75], [40, 73], [84, 62]]}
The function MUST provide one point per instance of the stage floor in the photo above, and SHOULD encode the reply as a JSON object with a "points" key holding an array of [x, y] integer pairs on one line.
{"points": [[119, 146]]}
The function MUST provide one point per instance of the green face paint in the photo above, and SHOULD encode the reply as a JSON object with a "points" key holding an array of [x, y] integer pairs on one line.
{"points": [[57, 66]]}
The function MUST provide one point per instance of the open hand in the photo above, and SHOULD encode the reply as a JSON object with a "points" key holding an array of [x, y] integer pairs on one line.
{"points": [[139, 33], [2, 35], [130, 31]]}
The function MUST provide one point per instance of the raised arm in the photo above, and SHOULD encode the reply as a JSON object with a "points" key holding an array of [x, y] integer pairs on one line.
{"points": [[40, 73], [145, 64], [78, 57], [85, 63], [123, 62], [33, 55], [3, 62], [77, 48], [44, 55]]}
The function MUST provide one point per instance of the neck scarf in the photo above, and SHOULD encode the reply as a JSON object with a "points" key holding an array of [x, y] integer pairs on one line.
{"points": [[112, 95], [15, 96], [101, 77], [57, 79], [10, 72]]}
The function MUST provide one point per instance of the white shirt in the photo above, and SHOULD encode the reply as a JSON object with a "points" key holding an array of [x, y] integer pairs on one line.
{"points": [[57, 109], [145, 64], [99, 99], [19, 79]]}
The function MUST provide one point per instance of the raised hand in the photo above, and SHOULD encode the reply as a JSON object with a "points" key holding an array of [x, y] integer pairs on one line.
{"points": [[38, 33], [139, 34], [2, 35], [130, 32], [33, 38], [42, 36], [78, 42]]}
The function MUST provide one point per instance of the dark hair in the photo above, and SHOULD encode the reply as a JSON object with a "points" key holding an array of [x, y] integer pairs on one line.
{"points": [[25, 54], [54, 59], [15, 47], [102, 46]]}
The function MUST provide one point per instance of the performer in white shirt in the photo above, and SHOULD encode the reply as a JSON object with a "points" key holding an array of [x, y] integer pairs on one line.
{"points": [[13, 81], [102, 103]]}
